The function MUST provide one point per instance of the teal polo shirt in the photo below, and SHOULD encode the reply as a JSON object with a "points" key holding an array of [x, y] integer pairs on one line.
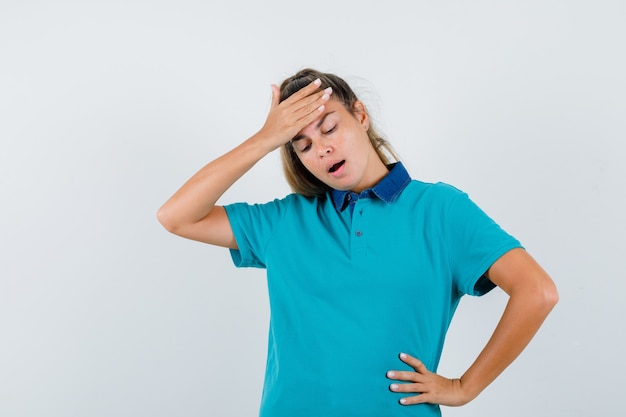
{"points": [[351, 289]]}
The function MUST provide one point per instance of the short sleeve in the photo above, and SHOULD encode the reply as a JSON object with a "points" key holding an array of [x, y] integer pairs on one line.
{"points": [[253, 226], [474, 242]]}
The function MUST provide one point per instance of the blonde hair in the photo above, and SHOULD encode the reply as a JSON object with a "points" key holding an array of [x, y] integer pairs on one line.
{"points": [[298, 177]]}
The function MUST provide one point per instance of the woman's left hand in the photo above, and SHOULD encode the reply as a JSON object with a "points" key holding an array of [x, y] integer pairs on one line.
{"points": [[429, 387]]}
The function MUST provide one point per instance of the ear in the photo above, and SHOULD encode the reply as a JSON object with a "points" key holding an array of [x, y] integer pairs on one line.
{"points": [[360, 113]]}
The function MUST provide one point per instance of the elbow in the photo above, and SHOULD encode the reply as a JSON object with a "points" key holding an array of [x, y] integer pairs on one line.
{"points": [[539, 295], [547, 295], [167, 220], [551, 295]]}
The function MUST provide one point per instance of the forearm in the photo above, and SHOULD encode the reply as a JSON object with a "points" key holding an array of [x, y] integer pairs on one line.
{"points": [[532, 296], [522, 318], [197, 197]]}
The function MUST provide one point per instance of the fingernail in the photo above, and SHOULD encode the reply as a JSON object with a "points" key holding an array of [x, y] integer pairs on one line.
{"points": [[317, 82], [320, 108], [394, 387], [325, 97], [328, 90], [403, 401], [391, 374], [403, 355]]}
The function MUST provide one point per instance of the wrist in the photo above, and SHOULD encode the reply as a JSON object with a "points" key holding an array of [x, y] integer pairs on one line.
{"points": [[264, 142], [468, 391], [260, 145]]}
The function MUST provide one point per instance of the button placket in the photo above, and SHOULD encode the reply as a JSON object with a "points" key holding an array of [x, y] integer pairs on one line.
{"points": [[358, 230]]}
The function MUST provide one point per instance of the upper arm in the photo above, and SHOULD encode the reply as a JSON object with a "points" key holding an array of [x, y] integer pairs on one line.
{"points": [[517, 271], [214, 229]]}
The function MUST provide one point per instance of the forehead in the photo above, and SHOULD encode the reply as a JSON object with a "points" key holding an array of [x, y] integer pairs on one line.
{"points": [[332, 110]]}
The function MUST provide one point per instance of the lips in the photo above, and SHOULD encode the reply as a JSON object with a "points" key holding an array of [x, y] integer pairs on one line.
{"points": [[336, 166]]}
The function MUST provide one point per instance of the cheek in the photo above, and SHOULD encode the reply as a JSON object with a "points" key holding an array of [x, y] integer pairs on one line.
{"points": [[312, 165], [306, 160]]}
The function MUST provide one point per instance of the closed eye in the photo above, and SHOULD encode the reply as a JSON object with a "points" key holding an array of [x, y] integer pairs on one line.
{"points": [[303, 145], [331, 130]]}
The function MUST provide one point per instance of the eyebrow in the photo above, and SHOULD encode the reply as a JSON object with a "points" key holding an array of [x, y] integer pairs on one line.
{"points": [[317, 126]]}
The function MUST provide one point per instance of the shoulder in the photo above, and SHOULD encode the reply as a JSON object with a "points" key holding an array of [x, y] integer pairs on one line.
{"points": [[438, 192], [291, 202], [286, 200], [298, 202]]}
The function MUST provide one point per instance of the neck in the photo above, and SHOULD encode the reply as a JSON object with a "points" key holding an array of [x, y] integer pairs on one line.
{"points": [[376, 172]]}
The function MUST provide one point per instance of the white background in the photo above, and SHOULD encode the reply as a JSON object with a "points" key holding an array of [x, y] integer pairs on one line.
{"points": [[107, 107]]}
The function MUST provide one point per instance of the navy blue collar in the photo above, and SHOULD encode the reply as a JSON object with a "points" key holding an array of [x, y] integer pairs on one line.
{"points": [[388, 189]]}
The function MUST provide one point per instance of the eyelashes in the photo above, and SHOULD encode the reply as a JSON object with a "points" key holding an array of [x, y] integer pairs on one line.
{"points": [[331, 130], [308, 145]]}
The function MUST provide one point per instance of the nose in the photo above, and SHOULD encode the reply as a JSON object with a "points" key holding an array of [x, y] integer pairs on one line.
{"points": [[323, 148]]}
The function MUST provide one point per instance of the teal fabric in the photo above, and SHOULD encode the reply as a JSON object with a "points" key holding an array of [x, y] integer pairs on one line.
{"points": [[349, 292]]}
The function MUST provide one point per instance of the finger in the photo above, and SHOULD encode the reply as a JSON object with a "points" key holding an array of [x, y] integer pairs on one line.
{"points": [[415, 399], [305, 91], [407, 388], [313, 105], [308, 104], [404, 376], [414, 363]]}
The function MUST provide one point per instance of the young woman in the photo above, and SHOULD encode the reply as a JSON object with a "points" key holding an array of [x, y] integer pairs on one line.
{"points": [[365, 266]]}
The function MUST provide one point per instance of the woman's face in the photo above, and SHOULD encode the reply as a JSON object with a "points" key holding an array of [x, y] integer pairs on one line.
{"points": [[335, 148]]}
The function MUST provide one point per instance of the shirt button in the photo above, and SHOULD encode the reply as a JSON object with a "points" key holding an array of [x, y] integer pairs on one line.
{"points": [[358, 233]]}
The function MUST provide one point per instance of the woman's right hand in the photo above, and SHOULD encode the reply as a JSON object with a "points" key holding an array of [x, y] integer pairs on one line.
{"points": [[287, 118], [192, 212]]}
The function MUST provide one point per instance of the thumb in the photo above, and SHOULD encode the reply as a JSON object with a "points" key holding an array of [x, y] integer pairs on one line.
{"points": [[275, 96]]}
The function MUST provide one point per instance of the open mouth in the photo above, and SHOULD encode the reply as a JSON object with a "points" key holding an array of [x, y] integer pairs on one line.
{"points": [[336, 166]]}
